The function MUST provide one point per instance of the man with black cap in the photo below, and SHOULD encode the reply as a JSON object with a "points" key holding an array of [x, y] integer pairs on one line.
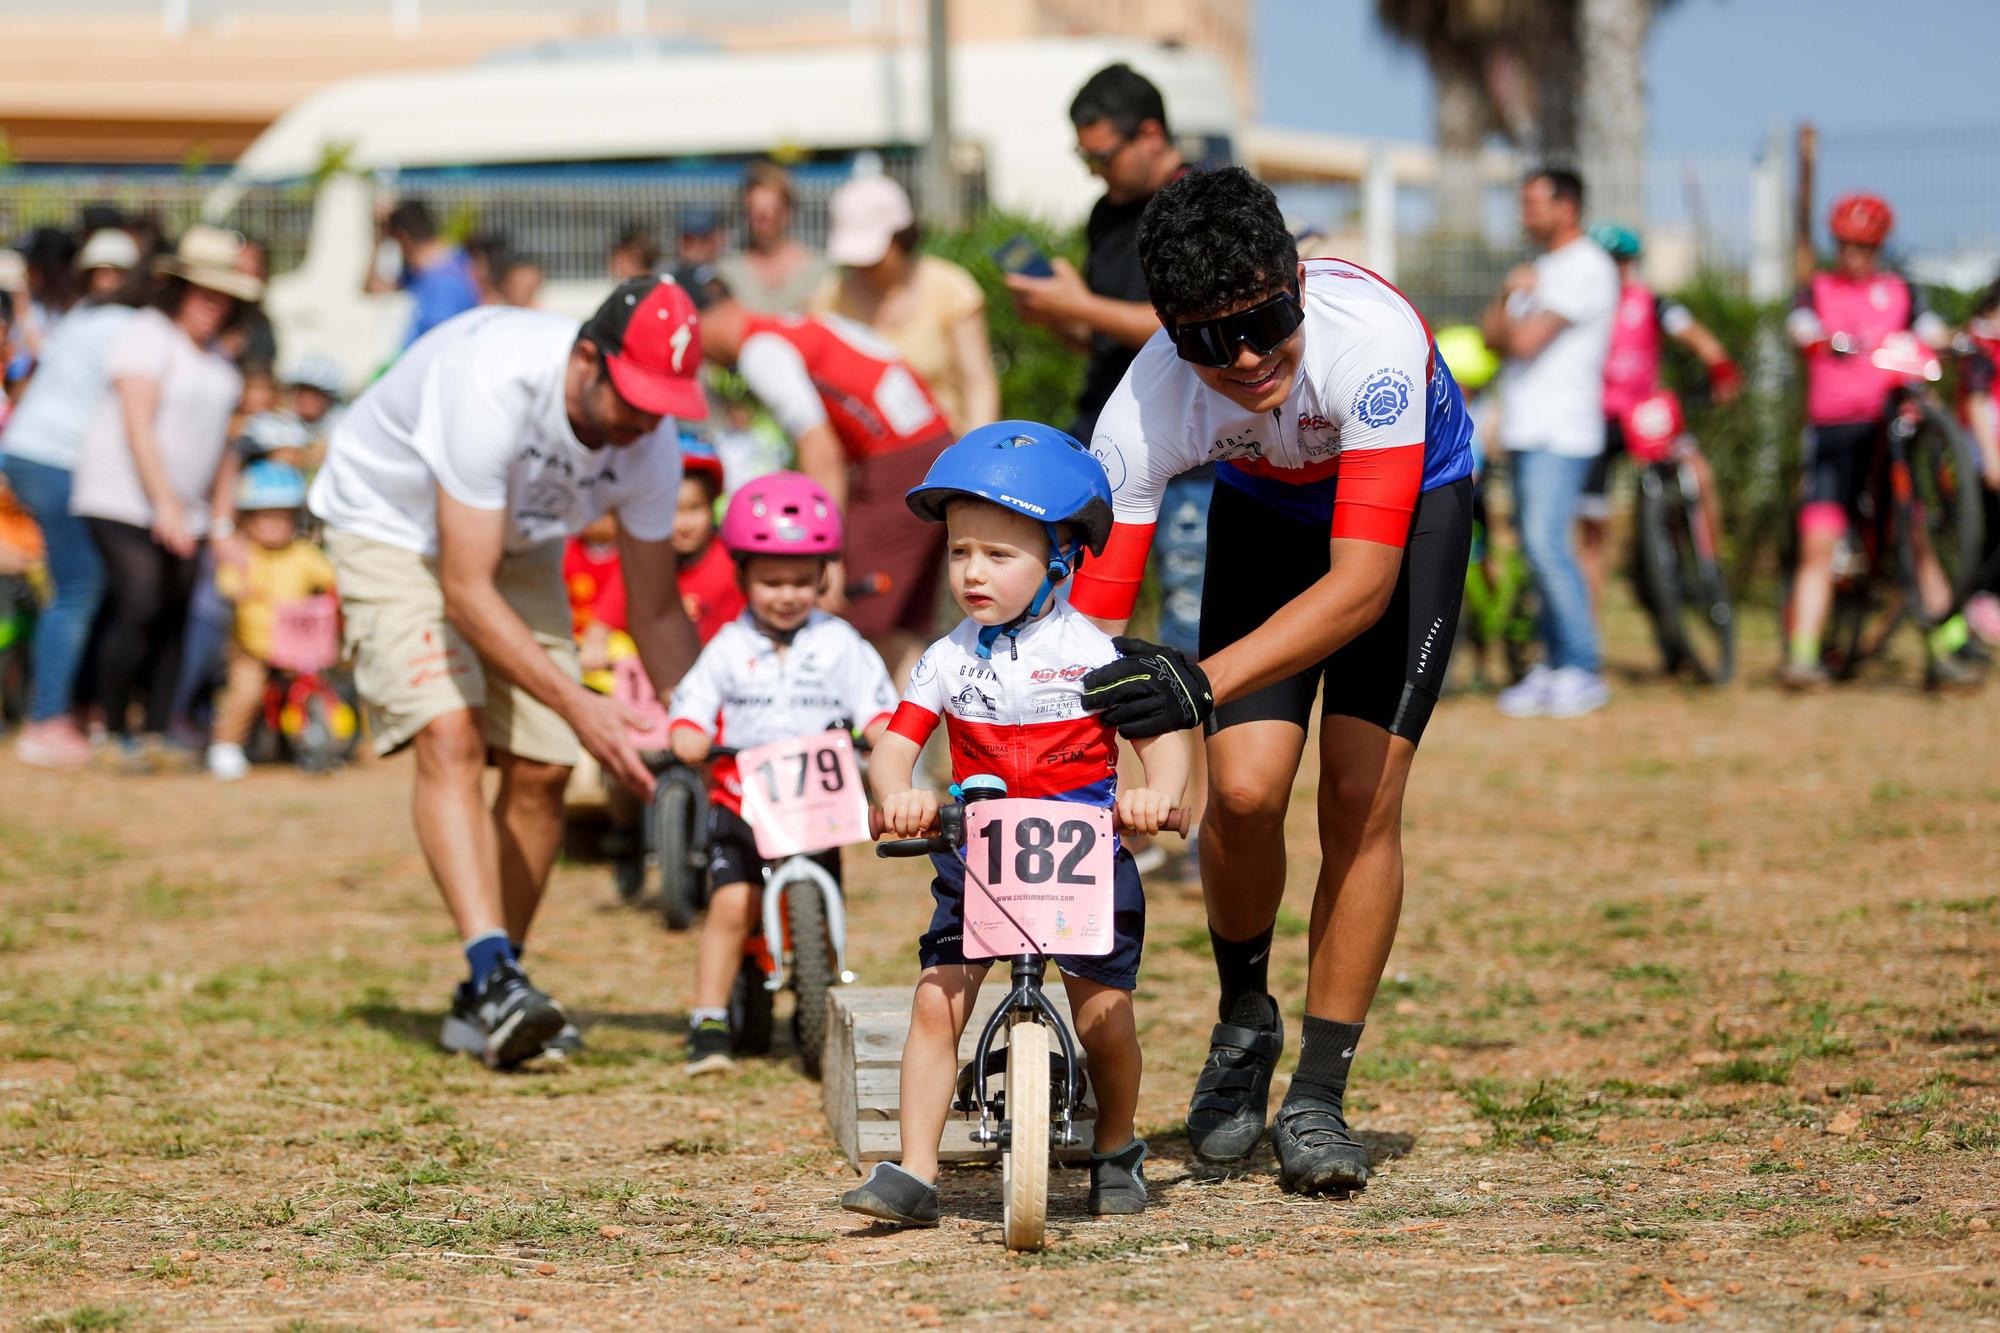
{"points": [[449, 487]]}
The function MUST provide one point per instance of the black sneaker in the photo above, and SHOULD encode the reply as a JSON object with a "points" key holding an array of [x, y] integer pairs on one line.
{"points": [[1225, 1116], [516, 1020], [1316, 1153], [565, 1043], [462, 1033], [1118, 1181], [709, 1049], [891, 1194]]}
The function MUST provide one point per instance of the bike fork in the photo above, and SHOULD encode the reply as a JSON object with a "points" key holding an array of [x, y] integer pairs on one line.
{"points": [[1026, 1003], [797, 869]]}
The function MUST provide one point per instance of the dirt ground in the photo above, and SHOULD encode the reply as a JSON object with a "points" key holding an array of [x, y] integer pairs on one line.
{"points": [[1695, 1018]]}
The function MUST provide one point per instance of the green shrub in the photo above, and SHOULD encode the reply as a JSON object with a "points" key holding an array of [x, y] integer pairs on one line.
{"points": [[1039, 375]]}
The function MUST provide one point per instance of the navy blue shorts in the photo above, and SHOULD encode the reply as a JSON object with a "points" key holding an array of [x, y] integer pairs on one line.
{"points": [[1119, 969]]}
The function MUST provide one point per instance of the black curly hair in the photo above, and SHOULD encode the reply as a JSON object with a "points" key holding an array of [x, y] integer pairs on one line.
{"points": [[1212, 240]]}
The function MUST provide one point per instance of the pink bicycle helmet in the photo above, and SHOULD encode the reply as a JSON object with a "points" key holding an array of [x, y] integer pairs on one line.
{"points": [[782, 513]]}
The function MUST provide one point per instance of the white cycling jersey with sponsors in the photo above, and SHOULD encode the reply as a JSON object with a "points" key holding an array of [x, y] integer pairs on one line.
{"points": [[1367, 379], [1019, 714]]}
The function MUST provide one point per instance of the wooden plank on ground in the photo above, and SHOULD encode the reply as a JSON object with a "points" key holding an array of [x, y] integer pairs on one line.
{"points": [[862, 1069]]}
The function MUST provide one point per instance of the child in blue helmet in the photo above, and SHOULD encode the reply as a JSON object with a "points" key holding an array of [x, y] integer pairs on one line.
{"points": [[277, 567], [1021, 503]]}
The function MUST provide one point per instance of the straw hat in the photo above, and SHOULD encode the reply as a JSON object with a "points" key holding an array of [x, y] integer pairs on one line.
{"points": [[208, 257]]}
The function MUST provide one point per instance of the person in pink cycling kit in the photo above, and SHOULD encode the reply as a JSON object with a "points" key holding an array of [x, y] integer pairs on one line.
{"points": [[1337, 546], [1838, 318], [1631, 375]]}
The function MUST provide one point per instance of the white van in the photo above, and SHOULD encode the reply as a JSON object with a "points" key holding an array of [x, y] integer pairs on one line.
{"points": [[585, 136]]}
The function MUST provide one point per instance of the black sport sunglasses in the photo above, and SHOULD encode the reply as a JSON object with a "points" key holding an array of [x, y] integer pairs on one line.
{"points": [[1213, 342]]}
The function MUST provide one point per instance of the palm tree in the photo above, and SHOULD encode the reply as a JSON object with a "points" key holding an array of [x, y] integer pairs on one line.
{"points": [[1561, 79]]}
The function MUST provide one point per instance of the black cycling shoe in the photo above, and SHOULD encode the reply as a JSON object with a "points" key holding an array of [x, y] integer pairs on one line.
{"points": [[891, 1194], [1118, 1181], [1316, 1152], [1225, 1116], [518, 1020]]}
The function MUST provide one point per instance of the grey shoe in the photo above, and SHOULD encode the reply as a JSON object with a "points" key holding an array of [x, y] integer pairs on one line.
{"points": [[564, 1044], [1225, 1116], [891, 1194], [1316, 1152], [1118, 1181]]}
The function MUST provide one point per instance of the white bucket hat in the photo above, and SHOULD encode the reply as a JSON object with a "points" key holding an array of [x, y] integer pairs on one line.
{"points": [[208, 257]]}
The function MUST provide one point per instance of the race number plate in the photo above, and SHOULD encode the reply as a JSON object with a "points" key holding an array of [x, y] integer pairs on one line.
{"points": [[305, 634], [632, 687], [803, 795], [1048, 865]]}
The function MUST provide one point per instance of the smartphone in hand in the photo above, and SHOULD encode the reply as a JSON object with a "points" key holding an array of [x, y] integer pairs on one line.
{"points": [[1023, 257]]}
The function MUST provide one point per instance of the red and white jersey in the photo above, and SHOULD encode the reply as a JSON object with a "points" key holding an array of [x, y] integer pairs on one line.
{"points": [[742, 691], [812, 371], [1019, 714]]}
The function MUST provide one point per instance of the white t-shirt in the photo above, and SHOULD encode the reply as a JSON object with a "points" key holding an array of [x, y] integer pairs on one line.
{"points": [[199, 389], [52, 417], [1554, 400], [476, 406]]}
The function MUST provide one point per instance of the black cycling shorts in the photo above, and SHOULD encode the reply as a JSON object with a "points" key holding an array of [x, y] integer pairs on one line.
{"points": [[1837, 461], [1597, 481], [732, 852], [1391, 672]]}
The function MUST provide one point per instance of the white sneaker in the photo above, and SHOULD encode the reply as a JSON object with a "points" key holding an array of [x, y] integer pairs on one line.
{"points": [[1530, 698], [1573, 692], [227, 762]]}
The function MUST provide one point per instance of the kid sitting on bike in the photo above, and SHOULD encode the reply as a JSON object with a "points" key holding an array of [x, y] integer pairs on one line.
{"points": [[1021, 502], [277, 567], [781, 669]]}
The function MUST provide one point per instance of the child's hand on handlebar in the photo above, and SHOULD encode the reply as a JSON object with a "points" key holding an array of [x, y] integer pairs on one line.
{"points": [[689, 744], [909, 814], [1143, 810]]}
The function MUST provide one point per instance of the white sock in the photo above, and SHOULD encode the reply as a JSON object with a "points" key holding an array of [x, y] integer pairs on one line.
{"points": [[700, 1016]]}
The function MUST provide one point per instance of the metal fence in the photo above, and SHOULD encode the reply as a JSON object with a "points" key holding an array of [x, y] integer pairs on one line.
{"points": [[279, 217]]}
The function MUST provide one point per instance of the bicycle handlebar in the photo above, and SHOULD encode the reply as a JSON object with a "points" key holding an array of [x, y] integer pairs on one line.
{"points": [[952, 815]]}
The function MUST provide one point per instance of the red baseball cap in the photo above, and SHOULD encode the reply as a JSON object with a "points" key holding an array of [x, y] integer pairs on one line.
{"points": [[651, 342]]}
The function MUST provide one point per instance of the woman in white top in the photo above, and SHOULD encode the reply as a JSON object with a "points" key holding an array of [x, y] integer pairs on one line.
{"points": [[41, 444], [155, 477]]}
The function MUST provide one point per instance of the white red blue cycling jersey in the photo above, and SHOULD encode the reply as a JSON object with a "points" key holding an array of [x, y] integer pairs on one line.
{"points": [[1019, 714], [1370, 391], [742, 691]]}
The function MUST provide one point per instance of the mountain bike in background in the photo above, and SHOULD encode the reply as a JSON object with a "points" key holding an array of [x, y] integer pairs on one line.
{"points": [[1676, 556]]}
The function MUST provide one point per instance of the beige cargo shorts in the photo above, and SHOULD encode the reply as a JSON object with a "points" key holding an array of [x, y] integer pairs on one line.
{"points": [[411, 667]]}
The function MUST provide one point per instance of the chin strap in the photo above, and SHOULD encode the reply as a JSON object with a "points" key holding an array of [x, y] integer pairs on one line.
{"points": [[1061, 565]]}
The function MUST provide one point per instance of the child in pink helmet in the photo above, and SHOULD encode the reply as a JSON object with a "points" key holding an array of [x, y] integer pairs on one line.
{"points": [[781, 669]]}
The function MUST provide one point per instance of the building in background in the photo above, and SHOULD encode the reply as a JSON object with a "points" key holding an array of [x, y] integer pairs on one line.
{"points": [[167, 82]]}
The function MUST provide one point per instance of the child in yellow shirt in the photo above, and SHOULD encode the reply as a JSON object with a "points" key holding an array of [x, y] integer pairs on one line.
{"points": [[277, 568]]}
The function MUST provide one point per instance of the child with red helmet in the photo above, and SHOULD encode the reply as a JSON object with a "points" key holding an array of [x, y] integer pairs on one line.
{"points": [[781, 668], [707, 578]]}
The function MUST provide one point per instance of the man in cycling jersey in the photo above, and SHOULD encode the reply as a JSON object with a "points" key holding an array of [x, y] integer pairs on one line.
{"points": [[1631, 375], [1837, 320], [1337, 549], [866, 428], [448, 489]]}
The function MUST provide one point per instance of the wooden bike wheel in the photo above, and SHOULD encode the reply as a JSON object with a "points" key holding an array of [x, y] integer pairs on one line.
{"points": [[1025, 1165]]}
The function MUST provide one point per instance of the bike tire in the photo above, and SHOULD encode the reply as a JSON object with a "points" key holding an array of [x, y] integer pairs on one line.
{"points": [[670, 837], [812, 972], [1025, 1162], [750, 1009], [1944, 502], [1683, 591]]}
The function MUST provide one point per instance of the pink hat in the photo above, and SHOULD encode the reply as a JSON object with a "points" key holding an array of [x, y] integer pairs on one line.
{"points": [[868, 211]]}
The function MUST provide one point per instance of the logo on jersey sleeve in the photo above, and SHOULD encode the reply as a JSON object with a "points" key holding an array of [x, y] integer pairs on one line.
{"points": [[1383, 399], [1111, 459], [921, 673]]}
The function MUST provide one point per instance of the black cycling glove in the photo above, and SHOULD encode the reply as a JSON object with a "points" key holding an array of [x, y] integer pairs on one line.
{"points": [[1149, 691]]}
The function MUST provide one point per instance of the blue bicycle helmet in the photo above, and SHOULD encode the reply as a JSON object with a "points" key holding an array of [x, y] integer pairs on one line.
{"points": [[1034, 470], [268, 485], [1619, 240]]}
